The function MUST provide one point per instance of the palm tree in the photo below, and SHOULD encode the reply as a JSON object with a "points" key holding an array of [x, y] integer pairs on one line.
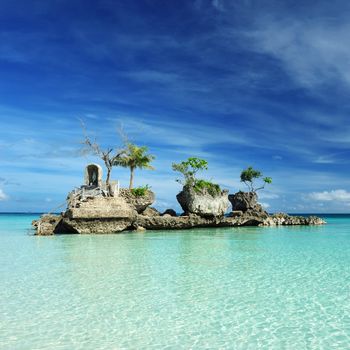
{"points": [[135, 157]]}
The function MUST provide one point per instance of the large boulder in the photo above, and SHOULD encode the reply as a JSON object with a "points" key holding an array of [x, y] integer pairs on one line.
{"points": [[101, 208], [203, 204], [244, 201], [247, 204], [96, 225], [139, 203], [47, 224], [99, 215], [150, 211]]}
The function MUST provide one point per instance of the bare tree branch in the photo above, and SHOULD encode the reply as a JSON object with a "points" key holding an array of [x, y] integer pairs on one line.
{"points": [[92, 147]]}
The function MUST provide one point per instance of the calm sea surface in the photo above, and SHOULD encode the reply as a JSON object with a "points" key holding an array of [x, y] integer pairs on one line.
{"points": [[229, 288]]}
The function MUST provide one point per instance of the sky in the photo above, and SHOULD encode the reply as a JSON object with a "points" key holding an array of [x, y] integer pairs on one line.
{"points": [[238, 83]]}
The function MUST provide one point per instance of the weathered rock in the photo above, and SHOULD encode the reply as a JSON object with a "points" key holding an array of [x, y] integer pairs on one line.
{"points": [[139, 229], [170, 212], [244, 201], [102, 208], [140, 203], [168, 222], [150, 211], [203, 204], [47, 224], [97, 226], [236, 213], [249, 219], [285, 219], [101, 215], [165, 222]]}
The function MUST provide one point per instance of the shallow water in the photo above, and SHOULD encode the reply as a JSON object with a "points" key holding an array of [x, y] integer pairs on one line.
{"points": [[228, 288]]}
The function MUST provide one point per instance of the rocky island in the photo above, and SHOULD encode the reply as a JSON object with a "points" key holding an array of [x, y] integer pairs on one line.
{"points": [[99, 207]]}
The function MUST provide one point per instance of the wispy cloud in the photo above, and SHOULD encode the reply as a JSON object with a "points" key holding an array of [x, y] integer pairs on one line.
{"points": [[268, 195], [333, 195], [3, 195], [313, 52], [180, 133]]}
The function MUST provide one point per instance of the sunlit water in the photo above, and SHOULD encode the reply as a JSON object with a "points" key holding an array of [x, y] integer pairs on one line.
{"points": [[229, 288]]}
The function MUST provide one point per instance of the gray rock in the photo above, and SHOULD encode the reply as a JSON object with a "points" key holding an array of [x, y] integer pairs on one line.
{"points": [[285, 219], [140, 229], [97, 215], [236, 213], [102, 208], [151, 212], [101, 215], [203, 204], [168, 222], [139, 203], [170, 212], [47, 224], [244, 201]]}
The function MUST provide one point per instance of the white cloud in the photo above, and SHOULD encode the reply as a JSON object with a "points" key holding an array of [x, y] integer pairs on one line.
{"points": [[334, 195], [179, 133], [218, 5], [265, 205], [324, 160], [3, 195], [277, 157], [312, 52], [268, 195]]}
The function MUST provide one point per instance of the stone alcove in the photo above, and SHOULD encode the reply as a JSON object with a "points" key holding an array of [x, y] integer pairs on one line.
{"points": [[93, 175]]}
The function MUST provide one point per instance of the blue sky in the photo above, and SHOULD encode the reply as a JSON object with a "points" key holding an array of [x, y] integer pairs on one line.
{"points": [[239, 83]]}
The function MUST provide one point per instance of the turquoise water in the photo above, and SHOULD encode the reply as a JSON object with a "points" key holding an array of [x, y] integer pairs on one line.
{"points": [[234, 288]]}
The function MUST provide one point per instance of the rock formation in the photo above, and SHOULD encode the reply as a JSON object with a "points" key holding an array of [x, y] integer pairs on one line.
{"points": [[100, 214], [285, 219], [203, 204], [47, 224], [140, 203], [150, 212], [247, 204], [170, 212]]}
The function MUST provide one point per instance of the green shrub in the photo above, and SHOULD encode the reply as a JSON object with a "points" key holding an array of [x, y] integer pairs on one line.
{"points": [[140, 191], [202, 185], [189, 169], [249, 175]]}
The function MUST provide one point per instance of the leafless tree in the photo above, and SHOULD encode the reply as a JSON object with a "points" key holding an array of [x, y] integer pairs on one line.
{"points": [[109, 155]]}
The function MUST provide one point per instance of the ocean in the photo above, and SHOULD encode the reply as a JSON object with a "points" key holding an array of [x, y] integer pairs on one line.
{"points": [[225, 288]]}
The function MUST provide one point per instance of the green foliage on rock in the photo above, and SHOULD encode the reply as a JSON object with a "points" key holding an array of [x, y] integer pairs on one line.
{"points": [[189, 169], [250, 175], [201, 186], [140, 191]]}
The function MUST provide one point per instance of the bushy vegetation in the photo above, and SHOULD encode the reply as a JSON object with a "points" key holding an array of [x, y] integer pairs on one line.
{"points": [[140, 191], [189, 170], [250, 175], [201, 186]]}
